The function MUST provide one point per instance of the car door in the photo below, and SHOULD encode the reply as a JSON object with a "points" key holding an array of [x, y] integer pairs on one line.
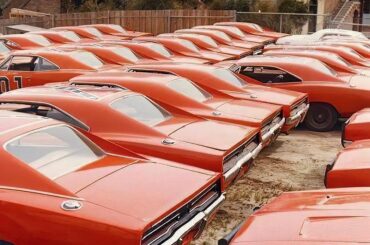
{"points": [[268, 75], [15, 71]]}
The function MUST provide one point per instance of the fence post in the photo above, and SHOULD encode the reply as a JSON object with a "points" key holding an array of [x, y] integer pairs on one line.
{"points": [[169, 20], [235, 17], [281, 23], [52, 20], [108, 14]]}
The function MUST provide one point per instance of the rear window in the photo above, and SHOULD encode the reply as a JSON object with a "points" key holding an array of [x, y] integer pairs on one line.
{"points": [[189, 45], [70, 35], [3, 48], [93, 31], [160, 49], [188, 89], [126, 53], [229, 77], [87, 58], [223, 35], [42, 41], [236, 31], [209, 41], [54, 151], [141, 109], [117, 28]]}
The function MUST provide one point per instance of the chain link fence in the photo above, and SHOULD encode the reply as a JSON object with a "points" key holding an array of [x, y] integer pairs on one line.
{"points": [[292, 23]]}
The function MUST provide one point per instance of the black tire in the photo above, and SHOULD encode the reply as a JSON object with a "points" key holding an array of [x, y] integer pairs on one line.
{"points": [[321, 117]]}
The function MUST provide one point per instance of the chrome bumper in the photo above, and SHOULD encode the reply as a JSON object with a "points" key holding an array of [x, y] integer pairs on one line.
{"points": [[196, 220], [272, 131], [239, 164], [299, 115]]}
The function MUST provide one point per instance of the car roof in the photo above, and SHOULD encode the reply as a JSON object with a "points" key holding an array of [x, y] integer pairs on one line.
{"points": [[174, 65]]}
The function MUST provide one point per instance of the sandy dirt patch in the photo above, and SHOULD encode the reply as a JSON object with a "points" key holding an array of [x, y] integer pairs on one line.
{"points": [[294, 162]]}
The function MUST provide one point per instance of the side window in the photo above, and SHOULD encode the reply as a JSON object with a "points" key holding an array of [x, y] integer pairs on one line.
{"points": [[5, 65], [44, 65], [22, 63], [266, 74]]}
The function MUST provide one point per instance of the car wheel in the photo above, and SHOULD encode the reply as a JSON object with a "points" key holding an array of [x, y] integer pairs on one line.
{"points": [[321, 117]]}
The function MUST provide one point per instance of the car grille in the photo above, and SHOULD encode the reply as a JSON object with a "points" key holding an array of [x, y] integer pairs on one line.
{"points": [[164, 229], [231, 159], [298, 107], [276, 120]]}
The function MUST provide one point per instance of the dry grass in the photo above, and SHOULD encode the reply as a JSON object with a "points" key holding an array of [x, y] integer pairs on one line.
{"points": [[294, 162]]}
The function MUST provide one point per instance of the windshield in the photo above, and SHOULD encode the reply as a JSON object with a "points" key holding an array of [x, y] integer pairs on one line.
{"points": [[141, 109], [188, 89], [160, 49], [70, 35], [257, 27], [54, 151], [209, 41], [87, 58], [189, 45], [42, 41], [117, 28], [93, 31], [236, 31], [3, 48], [223, 35], [229, 77], [125, 53]]}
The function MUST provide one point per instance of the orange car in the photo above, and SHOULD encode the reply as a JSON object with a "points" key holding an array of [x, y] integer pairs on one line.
{"points": [[156, 51], [351, 168], [133, 121], [111, 54], [356, 127], [187, 48], [208, 43], [321, 217], [333, 60], [26, 68], [348, 54], [236, 33], [88, 32], [361, 48], [253, 29], [25, 41], [223, 38], [165, 89], [117, 30], [222, 80], [61, 185], [310, 76], [62, 37]]}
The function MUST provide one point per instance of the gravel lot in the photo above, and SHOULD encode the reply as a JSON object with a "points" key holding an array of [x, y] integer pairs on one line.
{"points": [[294, 162]]}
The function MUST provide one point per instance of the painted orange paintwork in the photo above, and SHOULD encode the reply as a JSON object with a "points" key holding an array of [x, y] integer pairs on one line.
{"points": [[237, 34], [84, 32], [197, 142], [145, 50], [24, 41], [253, 29], [68, 67], [31, 202], [321, 86], [200, 41], [222, 38], [110, 30], [325, 217], [59, 37], [155, 86], [351, 168], [205, 77], [346, 53], [357, 126], [187, 48]]}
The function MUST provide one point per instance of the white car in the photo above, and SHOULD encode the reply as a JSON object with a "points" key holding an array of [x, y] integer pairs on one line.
{"points": [[321, 35]]}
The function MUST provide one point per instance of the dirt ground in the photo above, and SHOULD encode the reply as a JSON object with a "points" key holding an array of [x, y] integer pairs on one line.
{"points": [[294, 162]]}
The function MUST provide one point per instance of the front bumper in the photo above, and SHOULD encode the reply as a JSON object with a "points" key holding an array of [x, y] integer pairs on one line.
{"points": [[233, 172], [298, 117], [273, 132], [200, 220]]}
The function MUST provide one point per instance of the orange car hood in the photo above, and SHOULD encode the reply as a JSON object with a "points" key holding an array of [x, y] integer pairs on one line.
{"points": [[355, 156], [331, 216], [216, 135], [137, 190], [273, 95], [243, 108]]}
